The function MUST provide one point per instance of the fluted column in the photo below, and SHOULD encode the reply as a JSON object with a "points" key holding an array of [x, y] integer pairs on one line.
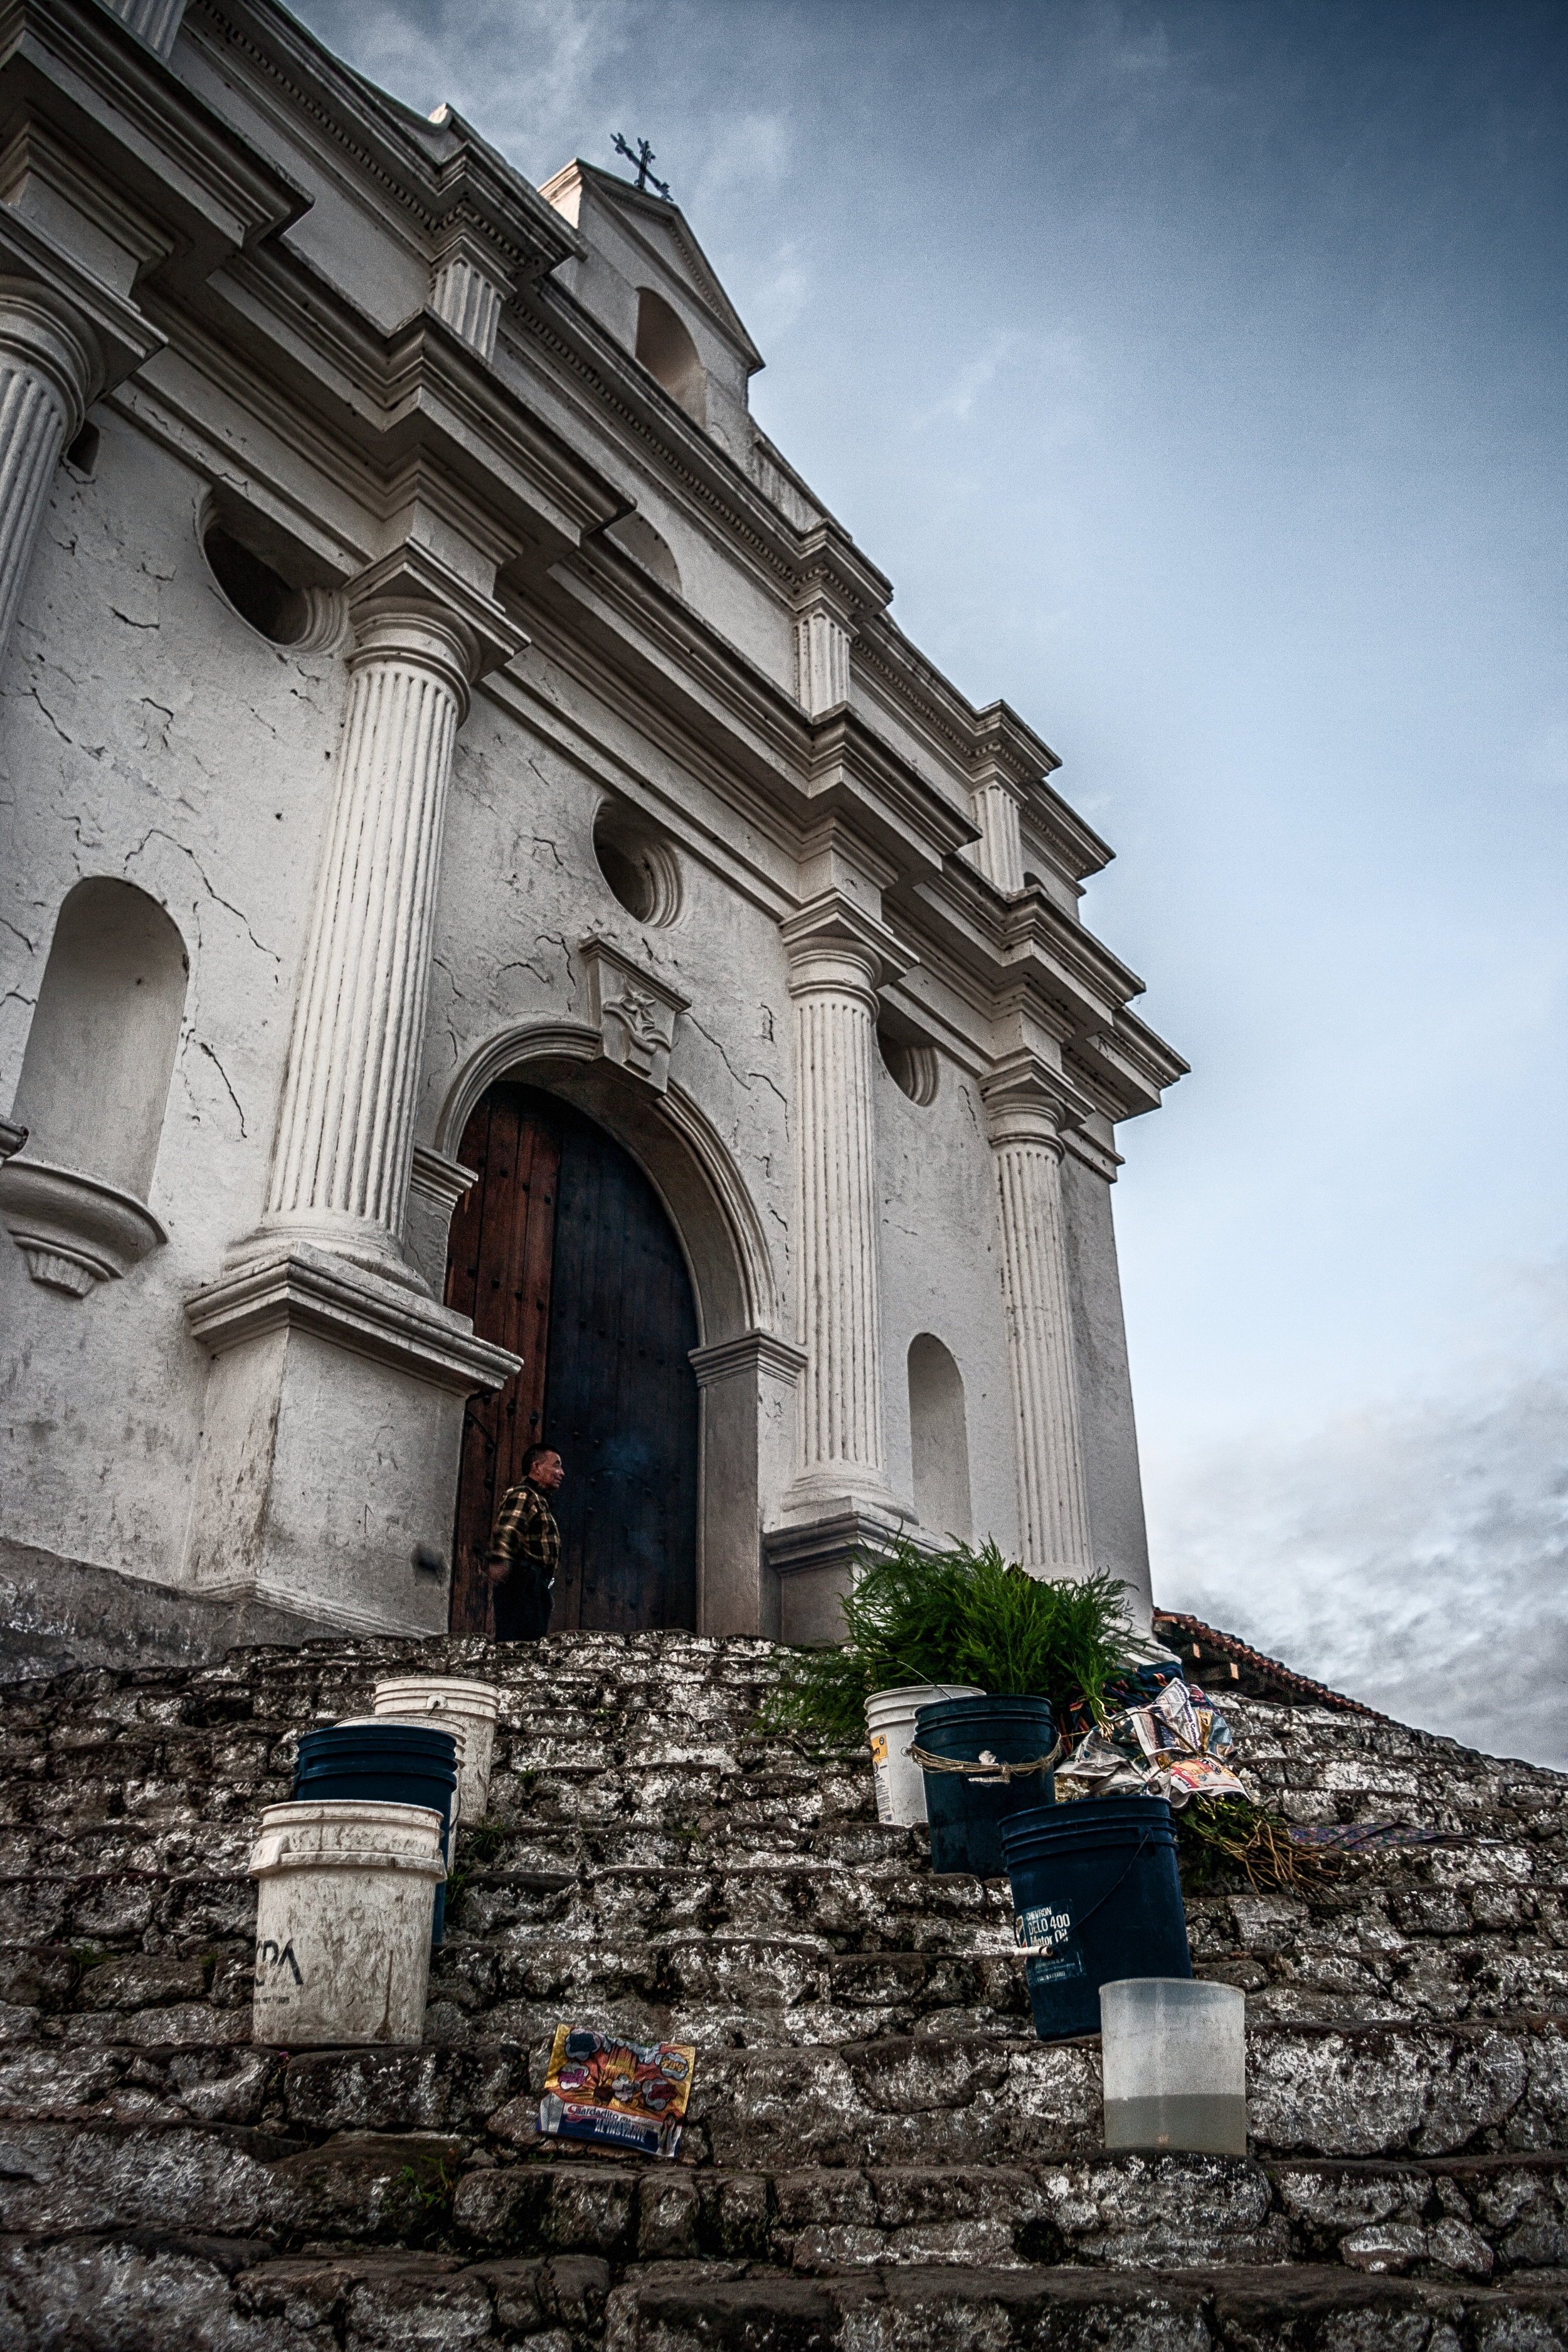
{"points": [[50, 369], [821, 640], [999, 852], [346, 1134], [1025, 1114], [836, 955]]}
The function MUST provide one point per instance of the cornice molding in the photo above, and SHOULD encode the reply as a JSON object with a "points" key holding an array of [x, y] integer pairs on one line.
{"points": [[81, 69], [121, 338], [309, 1291], [436, 172], [852, 767], [382, 397]]}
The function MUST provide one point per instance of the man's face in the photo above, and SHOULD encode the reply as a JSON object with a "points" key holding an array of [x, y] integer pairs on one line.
{"points": [[547, 1471]]}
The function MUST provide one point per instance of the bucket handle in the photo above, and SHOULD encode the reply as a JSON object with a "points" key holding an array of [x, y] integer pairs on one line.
{"points": [[1028, 1951], [979, 1770]]}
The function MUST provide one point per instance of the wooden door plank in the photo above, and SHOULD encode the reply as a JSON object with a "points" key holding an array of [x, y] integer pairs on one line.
{"points": [[499, 1272]]}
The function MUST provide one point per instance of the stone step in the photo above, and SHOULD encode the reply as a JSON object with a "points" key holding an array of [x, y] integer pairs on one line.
{"points": [[1381, 2091], [640, 1777], [718, 1990], [1384, 2092], [118, 2290], [759, 1955], [728, 1837], [678, 2307], [880, 1906], [1469, 2217]]}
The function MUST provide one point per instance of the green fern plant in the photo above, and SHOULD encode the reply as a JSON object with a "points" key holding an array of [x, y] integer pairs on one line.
{"points": [[963, 1616]]}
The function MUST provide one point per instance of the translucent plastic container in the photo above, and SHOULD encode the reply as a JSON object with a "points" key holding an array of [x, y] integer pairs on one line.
{"points": [[1175, 2065]]}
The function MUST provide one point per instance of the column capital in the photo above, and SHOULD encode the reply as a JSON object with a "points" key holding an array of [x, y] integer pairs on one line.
{"points": [[58, 317], [748, 1357], [833, 943], [411, 606], [1029, 1101]]}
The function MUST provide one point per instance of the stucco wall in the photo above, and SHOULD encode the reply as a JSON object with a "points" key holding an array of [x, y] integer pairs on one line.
{"points": [[148, 733], [1105, 1388], [941, 1273]]}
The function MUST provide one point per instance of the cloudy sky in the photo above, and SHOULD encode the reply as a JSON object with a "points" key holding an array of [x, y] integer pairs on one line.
{"points": [[1197, 375]]}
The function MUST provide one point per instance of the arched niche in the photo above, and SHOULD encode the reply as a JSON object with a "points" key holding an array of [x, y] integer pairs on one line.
{"points": [[938, 1440], [666, 349], [101, 1052], [95, 1086]]}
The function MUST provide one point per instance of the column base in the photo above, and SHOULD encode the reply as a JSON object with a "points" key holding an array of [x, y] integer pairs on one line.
{"points": [[332, 1431], [351, 1241], [814, 1559]]}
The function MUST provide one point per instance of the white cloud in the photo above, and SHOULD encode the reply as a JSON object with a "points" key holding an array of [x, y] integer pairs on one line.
{"points": [[1413, 1555]]}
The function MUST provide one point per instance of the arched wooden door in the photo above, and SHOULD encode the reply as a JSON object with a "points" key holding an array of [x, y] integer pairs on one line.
{"points": [[563, 1252]]}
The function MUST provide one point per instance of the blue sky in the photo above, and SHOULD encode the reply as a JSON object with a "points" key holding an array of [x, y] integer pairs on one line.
{"points": [[1197, 375]]}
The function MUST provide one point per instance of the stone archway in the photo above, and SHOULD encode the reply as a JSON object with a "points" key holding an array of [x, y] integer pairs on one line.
{"points": [[746, 1373]]}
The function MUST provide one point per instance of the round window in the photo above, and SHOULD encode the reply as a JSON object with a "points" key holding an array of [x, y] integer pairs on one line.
{"points": [[639, 868], [258, 593], [911, 1066]]}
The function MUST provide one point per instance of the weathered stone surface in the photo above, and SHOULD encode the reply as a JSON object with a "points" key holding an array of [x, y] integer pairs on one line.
{"points": [[879, 2150]]}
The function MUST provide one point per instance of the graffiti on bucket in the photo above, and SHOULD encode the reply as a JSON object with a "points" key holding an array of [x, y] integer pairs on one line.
{"points": [[1044, 1934], [269, 1956]]}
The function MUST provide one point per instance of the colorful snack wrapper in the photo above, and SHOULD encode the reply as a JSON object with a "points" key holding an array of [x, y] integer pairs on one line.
{"points": [[1204, 1775], [623, 2094]]}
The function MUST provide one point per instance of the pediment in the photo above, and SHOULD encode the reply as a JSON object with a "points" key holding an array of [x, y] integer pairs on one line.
{"points": [[662, 230]]}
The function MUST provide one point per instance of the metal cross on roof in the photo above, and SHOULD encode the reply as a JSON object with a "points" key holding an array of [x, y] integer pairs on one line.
{"points": [[642, 155]]}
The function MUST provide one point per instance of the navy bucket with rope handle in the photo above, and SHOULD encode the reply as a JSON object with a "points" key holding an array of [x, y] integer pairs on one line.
{"points": [[983, 1759], [1096, 1898]]}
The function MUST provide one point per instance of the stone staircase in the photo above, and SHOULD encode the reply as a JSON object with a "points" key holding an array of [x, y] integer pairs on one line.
{"points": [[878, 2151]]}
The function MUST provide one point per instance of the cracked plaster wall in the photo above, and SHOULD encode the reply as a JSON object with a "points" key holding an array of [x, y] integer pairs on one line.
{"points": [[146, 732], [519, 888]]}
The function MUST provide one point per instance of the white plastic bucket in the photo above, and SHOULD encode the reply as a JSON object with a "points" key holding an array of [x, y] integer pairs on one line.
{"points": [[890, 1729], [1175, 2051], [468, 1710], [345, 1898]]}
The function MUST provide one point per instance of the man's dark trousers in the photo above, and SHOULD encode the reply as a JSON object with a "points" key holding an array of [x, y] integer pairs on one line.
{"points": [[522, 1604]]}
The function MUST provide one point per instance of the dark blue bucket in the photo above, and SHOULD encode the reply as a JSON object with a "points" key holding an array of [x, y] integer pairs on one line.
{"points": [[966, 1813], [394, 1763], [1097, 1881]]}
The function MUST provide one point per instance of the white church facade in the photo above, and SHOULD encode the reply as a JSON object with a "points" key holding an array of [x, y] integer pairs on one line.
{"points": [[502, 938]]}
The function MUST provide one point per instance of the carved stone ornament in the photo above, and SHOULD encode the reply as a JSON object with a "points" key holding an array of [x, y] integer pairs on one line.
{"points": [[634, 1010], [74, 1230]]}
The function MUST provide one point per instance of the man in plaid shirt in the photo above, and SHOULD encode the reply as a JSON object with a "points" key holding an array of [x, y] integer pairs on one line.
{"points": [[526, 1549]]}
